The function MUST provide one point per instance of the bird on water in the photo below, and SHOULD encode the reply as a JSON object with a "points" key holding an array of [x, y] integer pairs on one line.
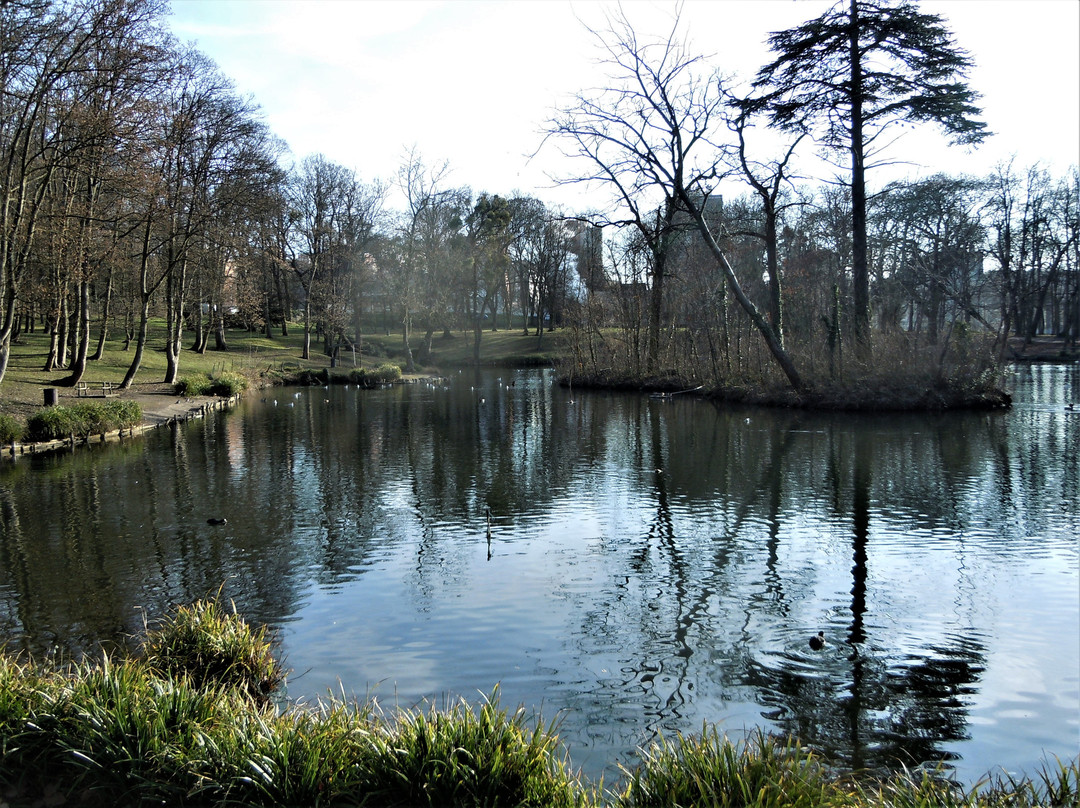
{"points": [[216, 521], [818, 642]]}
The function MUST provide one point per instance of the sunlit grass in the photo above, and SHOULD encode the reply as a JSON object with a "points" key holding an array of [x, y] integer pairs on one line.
{"points": [[710, 770], [188, 724], [214, 646]]}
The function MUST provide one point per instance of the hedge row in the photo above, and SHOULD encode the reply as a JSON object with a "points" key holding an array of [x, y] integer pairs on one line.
{"points": [[82, 420]]}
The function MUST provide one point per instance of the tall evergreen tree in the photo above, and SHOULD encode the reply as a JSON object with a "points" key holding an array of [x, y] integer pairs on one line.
{"points": [[852, 73]]}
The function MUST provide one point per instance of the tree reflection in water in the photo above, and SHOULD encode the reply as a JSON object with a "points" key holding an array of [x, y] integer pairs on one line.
{"points": [[652, 565]]}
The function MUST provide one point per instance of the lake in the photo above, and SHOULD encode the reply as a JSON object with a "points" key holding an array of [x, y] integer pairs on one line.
{"points": [[648, 564]]}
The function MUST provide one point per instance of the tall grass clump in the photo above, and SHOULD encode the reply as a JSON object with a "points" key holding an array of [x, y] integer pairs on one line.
{"points": [[194, 384], [228, 383], [311, 756], [215, 647], [710, 770], [11, 431], [82, 420], [1055, 785], [474, 757], [122, 414]]}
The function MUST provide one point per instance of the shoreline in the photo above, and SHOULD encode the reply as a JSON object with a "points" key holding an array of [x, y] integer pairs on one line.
{"points": [[160, 405], [158, 409]]}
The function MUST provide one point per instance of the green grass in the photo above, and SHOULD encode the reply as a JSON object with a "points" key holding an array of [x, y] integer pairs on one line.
{"points": [[11, 431], [188, 723], [707, 769], [215, 646], [82, 420]]}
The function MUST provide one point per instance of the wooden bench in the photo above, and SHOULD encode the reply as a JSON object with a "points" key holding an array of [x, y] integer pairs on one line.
{"points": [[82, 389]]}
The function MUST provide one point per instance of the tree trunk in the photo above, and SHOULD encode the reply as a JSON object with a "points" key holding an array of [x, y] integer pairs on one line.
{"points": [[175, 332], [307, 328], [78, 363], [860, 268], [220, 343], [783, 359], [140, 343], [106, 305], [776, 301]]}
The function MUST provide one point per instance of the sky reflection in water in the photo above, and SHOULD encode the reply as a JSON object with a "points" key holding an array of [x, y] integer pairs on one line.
{"points": [[652, 564]]}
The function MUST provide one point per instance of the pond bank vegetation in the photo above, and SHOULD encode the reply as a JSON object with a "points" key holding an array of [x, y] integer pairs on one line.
{"points": [[193, 721], [901, 374]]}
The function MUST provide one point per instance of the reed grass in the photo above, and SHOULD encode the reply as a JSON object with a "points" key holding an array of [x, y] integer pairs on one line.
{"points": [[477, 757], [710, 770], [11, 431], [83, 419], [215, 647], [181, 726]]}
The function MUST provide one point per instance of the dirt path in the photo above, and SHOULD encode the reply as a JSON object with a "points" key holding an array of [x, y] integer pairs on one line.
{"points": [[159, 408]]}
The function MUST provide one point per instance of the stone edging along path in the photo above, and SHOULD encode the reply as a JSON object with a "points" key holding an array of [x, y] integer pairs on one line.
{"points": [[157, 409]]}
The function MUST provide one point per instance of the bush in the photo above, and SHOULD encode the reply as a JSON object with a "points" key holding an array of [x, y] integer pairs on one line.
{"points": [[11, 431], [228, 384], [122, 414], [385, 373], [82, 420], [194, 385], [51, 423], [90, 418], [215, 648]]}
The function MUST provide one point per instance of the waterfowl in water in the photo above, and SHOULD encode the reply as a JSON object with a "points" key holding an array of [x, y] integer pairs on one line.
{"points": [[216, 521], [818, 642]]}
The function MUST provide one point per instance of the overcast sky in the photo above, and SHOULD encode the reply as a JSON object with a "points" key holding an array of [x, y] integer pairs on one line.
{"points": [[473, 81]]}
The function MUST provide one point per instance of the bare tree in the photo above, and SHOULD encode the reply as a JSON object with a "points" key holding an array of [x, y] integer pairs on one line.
{"points": [[422, 186], [649, 137]]}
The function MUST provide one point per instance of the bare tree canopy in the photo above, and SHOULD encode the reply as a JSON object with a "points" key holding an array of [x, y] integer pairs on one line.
{"points": [[651, 135]]}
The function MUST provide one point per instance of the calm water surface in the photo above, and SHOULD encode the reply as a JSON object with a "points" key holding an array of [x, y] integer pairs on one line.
{"points": [[652, 564]]}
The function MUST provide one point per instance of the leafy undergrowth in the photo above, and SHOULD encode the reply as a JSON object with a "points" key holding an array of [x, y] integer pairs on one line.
{"points": [[189, 723]]}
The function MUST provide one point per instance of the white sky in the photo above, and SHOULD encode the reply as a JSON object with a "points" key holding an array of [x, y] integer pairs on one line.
{"points": [[472, 81]]}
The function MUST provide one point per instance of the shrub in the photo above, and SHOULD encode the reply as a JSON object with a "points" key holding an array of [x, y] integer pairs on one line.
{"points": [[194, 385], [11, 431], [228, 383], [123, 414], [91, 418], [51, 423], [82, 419], [215, 648], [385, 373]]}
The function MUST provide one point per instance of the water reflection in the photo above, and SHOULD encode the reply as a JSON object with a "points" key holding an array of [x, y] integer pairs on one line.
{"points": [[651, 564]]}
